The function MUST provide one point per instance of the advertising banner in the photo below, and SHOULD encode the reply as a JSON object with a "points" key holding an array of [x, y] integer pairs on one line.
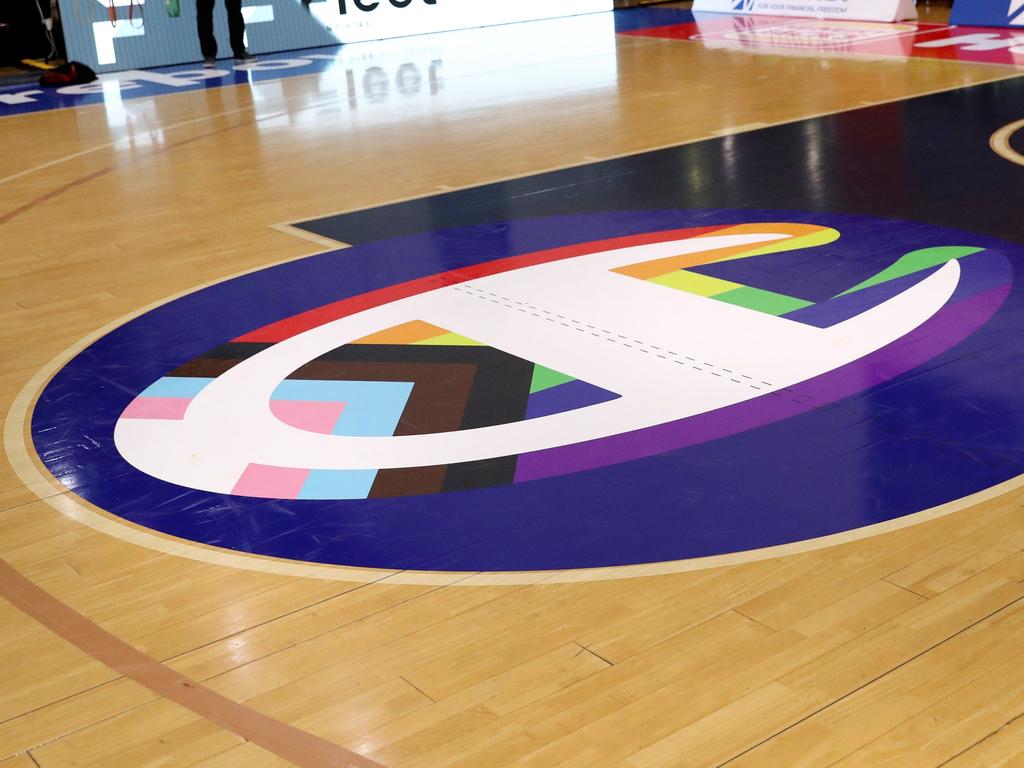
{"points": [[574, 54], [783, 36], [145, 35], [857, 10]]}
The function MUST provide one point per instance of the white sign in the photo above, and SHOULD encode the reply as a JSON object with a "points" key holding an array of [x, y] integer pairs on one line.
{"points": [[573, 54], [858, 10], [353, 21], [133, 42]]}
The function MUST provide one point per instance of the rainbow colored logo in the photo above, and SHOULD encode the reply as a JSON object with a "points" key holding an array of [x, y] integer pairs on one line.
{"points": [[692, 384]]}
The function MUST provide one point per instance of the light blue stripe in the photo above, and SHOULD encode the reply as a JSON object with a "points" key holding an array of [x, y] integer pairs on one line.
{"points": [[376, 412], [372, 408], [338, 484], [175, 386], [338, 391]]}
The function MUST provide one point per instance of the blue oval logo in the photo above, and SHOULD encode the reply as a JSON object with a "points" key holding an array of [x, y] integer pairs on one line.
{"points": [[694, 384]]}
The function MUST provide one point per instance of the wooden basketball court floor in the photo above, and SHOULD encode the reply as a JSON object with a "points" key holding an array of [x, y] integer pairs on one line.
{"points": [[892, 634]]}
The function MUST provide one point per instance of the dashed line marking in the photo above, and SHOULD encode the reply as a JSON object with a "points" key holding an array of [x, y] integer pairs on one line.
{"points": [[608, 335]]}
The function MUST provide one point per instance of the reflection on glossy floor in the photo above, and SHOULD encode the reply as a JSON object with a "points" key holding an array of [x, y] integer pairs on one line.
{"points": [[896, 645]]}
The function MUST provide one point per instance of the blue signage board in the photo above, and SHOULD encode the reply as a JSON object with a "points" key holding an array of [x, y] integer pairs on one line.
{"points": [[988, 13]]}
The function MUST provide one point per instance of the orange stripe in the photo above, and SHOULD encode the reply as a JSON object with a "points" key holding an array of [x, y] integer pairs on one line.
{"points": [[297, 746], [406, 333], [645, 270]]}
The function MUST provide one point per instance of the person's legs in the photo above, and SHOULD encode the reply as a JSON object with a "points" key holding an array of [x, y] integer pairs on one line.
{"points": [[236, 26], [204, 23]]}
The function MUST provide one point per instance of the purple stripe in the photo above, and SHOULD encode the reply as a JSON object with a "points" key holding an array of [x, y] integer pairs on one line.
{"points": [[946, 328], [565, 397]]}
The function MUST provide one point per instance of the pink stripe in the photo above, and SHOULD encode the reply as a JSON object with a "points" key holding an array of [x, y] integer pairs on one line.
{"points": [[308, 415], [271, 482], [157, 408]]}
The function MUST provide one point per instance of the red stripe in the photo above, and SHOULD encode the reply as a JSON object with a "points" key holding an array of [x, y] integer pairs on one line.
{"points": [[683, 31], [300, 323]]}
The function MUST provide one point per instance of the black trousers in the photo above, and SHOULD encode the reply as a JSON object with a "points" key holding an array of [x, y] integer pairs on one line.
{"points": [[236, 27]]}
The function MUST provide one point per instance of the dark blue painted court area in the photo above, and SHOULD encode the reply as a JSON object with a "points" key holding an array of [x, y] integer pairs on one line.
{"points": [[951, 426]]}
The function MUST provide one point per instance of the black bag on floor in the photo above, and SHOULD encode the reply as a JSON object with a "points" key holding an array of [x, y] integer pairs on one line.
{"points": [[72, 73]]}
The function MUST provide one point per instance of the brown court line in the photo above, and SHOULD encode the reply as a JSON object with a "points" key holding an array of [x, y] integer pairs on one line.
{"points": [[295, 745], [62, 188], [13, 213]]}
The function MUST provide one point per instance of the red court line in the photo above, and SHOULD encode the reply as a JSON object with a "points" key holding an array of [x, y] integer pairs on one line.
{"points": [[301, 748]]}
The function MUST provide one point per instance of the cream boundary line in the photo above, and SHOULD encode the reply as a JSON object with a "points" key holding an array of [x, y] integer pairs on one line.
{"points": [[28, 468], [1000, 142]]}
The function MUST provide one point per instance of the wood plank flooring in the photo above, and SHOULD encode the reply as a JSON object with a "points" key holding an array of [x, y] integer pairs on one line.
{"points": [[903, 649]]}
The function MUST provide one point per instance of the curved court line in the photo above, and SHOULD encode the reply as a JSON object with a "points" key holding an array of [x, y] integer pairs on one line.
{"points": [[107, 145], [29, 469], [1000, 142], [297, 746], [174, 126], [588, 160], [55, 192], [62, 188], [162, 128]]}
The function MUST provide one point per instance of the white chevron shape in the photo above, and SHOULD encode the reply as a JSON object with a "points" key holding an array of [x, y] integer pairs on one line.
{"points": [[1013, 13]]}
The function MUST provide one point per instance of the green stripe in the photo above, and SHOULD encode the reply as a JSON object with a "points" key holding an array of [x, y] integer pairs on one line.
{"points": [[545, 378], [915, 261], [762, 301]]}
